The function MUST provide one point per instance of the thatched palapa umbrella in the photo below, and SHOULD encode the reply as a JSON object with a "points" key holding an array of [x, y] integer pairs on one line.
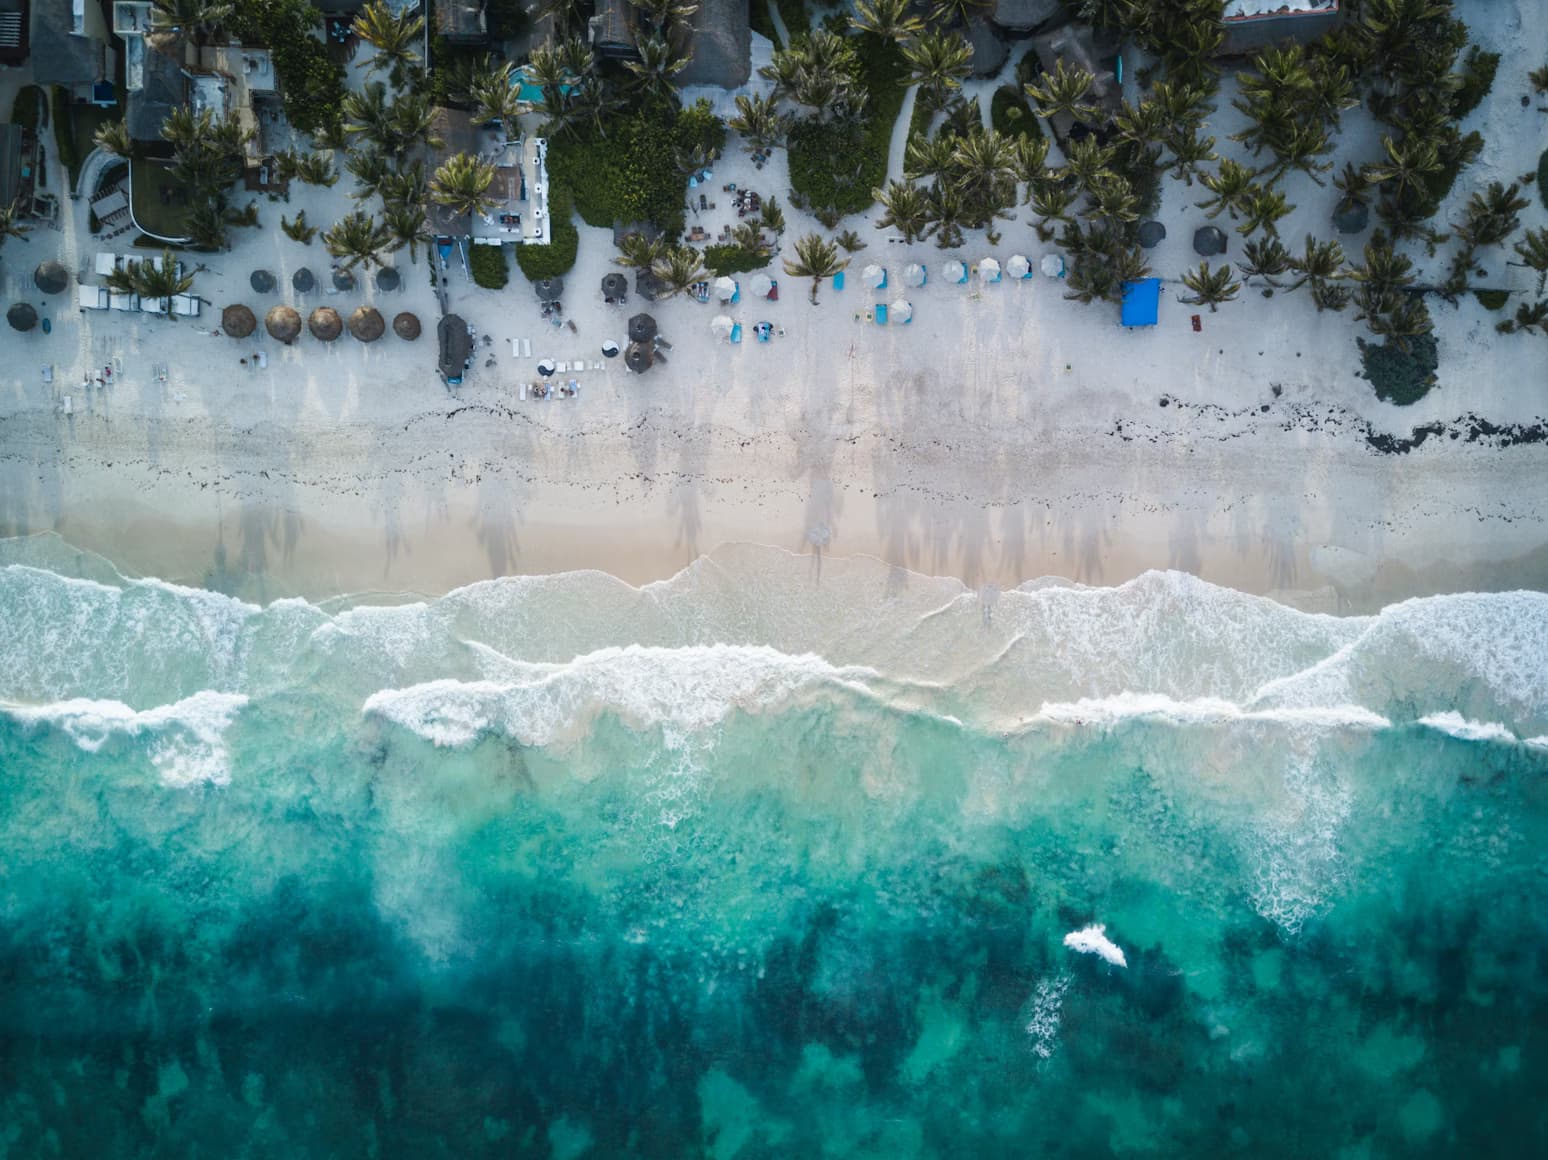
{"points": [[639, 357], [343, 280], [282, 322], [387, 278], [22, 316], [1150, 234], [51, 277], [647, 285], [1208, 241], [303, 281], [262, 281], [549, 289], [238, 321], [614, 285], [642, 328], [366, 324], [406, 326], [325, 323]]}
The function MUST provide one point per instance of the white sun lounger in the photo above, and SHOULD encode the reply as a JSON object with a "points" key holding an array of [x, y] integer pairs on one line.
{"points": [[67, 404], [526, 348]]}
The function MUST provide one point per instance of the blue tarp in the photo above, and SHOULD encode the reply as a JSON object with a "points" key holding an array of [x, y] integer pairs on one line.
{"points": [[1141, 302]]}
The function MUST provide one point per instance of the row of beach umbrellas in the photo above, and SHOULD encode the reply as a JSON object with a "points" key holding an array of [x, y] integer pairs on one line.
{"points": [[263, 282], [284, 323]]}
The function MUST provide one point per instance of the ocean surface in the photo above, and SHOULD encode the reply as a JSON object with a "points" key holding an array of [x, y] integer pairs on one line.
{"points": [[775, 859]]}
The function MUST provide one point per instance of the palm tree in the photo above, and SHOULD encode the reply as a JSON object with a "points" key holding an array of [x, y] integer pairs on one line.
{"points": [[1493, 215], [1113, 200], [947, 215], [1384, 271], [946, 13], [1266, 258], [759, 121], [1210, 287], [368, 114], [405, 186], [771, 217], [357, 238], [405, 226], [393, 35], [317, 169], [1129, 265], [678, 268], [1529, 317], [1189, 151], [984, 170], [113, 136], [1407, 165], [10, 226], [905, 209], [1264, 209], [154, 280], [937, 62], [176, 21], [927, 157], [462, 184], [206, 226], [659, 63], [638, 251], [495, 98], [412, 122], [1064, 91], [1088, 163], [659, 14], [1233, 187], [1030, 158], [1351, 183], [1141, 125], [369, 169], [561, 14], [886, 19], [1319, 264], [849, 241], [1533, 251], [1051, 201], [815, 258]]}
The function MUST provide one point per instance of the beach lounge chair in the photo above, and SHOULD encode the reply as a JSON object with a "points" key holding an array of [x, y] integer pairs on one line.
{"points": [[68, 404], [881, 314], [838, 280], [736, 333]]}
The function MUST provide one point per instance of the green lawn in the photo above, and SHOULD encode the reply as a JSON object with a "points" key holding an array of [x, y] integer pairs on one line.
{"points": [[148, 179], [84, 121]]}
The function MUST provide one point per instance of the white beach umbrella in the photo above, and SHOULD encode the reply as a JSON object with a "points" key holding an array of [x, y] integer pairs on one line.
{"points": [[1017, 266], [721, 325], [873, 276], [1053, 265], [762, 284], [989, 270], [913, 274], [725, 288], [955, 271], [902, 310]]}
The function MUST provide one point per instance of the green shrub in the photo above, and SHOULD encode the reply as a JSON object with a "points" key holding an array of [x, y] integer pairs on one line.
{"points": [[64, 128], [1010, 113], [734, 259], [761, 22], [312, 84], [1477, 79], [489, 268], [1492, 299], [558, 256], [836, 164], [1401, 375], [27, 109]]}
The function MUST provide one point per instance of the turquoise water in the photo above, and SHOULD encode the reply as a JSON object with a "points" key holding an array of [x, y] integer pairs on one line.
{"points": [[767, 862]]}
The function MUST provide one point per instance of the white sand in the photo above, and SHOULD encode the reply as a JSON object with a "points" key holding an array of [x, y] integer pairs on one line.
{"points": [[1003, 435]]}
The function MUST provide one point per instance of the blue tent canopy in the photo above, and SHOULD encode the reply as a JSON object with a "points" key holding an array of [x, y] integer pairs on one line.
{"points": [[1141, 302]]}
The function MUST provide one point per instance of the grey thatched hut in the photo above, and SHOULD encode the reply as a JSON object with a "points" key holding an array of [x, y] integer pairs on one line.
{"points": [[549, 289], [343, 280], [303, 281], [1209, 241], [456, 347], [642, 328], [51, 277], [1150, 234], [261, 281], [388, 278], [615, 285], [22, 316], [406, 326]]}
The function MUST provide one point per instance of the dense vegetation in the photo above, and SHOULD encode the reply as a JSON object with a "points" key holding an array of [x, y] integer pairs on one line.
{"points": [[27, 108], [558, 256], [313, 85], [488, 267]]}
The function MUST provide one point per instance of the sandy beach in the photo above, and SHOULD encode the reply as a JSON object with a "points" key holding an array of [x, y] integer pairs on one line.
{"points": [[1003, 435]]}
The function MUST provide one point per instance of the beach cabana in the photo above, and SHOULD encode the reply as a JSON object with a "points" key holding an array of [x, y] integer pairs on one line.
{"points": [[989, 270], [406, 326], [720, 326], [1150, 234], [1209, 241], [647, 285], [1017, 266], [262, 281], [343, 280], [454, 348], [874, 277], [902, 311], [303, 281], [615, 287], [642, 328], [51, 277], [954, 271], [325, 323], [1141, 302], [639, 357], [915, 275], [22, 316], [725, 289], [238, 321], [1052, 266], [548, 289], [388, 278], [283, 323], [366, 324], [762, 284]]}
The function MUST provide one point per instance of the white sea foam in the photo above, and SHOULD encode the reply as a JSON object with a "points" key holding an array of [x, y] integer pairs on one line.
{"points": [[1460, 727], [1093, 940], [1044, 1012], [682, 690], [188, 743], [1200, 711]]}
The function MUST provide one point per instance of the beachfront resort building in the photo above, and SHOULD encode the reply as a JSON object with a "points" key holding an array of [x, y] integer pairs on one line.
{"points": [[520, 187], [717, 40], [68, 46], [1252, 24]]}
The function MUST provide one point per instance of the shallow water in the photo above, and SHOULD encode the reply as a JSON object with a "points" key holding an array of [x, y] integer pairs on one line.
{"points": [[756, 863]]}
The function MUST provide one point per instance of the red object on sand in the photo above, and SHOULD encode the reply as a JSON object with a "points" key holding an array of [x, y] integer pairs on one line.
{"points": [[1198, 323], [774, 292]]}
